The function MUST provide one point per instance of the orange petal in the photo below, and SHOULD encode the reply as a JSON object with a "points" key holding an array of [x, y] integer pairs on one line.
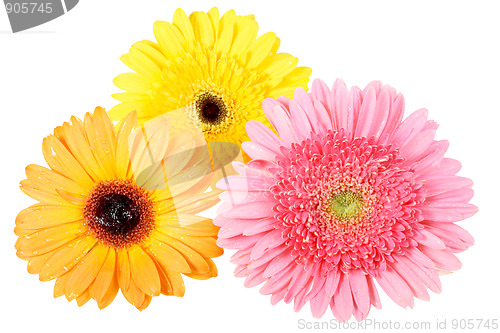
{"points": [[134, 295], [110, 294], [83, 298], [168, 256], [143, 271], [105, 277], [123, 269], [205, 246], [212, 273], [61, 160], [40, 216], [47, 240], [66, 257], [84, 273], [35, 263], [194, 259]]}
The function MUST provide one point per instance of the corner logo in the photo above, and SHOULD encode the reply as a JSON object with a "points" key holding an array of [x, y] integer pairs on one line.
{"points": [[26, 14]]}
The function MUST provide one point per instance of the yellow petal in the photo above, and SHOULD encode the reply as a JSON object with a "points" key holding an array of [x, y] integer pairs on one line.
{"points": [[181, 21], [66, 257], [169, 38], [202, 28], [132, 82], [152, 51], [144, 65], [260, 49], [226, 30], [245, 34], [143, 271], [213, 15], [121, 110]]}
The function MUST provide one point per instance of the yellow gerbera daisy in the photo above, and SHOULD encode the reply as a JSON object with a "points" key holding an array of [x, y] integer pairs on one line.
{"points": [[215, 68], [106, 219]]}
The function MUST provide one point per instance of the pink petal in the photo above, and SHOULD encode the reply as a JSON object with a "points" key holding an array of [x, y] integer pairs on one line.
{"points": [[430, 240], [366, 113], [395, 287], [280, 262], [321, 93], [281, 122], [359, 288], [251, 210], [342, 304], [427, 275], [410, 127], [416, 147], [444, 259], [381, 114], [340, 103], [277, 282], [413, 281], [300, 278], [267, 256], [258, 151], [254, 278], [374, 297], [269, 241], [259, 133], [300, 122], [395, 115]]}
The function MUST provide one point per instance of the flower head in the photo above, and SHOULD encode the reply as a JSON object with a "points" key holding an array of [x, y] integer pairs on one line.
{"points": [[110, 218], [347, 193], [215, 69]]}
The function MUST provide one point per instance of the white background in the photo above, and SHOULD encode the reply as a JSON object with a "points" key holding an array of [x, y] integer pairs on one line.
{"points": [[443, 55]]}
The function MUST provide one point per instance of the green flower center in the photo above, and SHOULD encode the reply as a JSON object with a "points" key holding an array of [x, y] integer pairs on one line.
{"points": [[346, 205]]}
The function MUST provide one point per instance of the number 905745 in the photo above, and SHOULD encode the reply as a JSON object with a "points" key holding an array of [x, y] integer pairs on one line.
{"points": [[28, 7]]}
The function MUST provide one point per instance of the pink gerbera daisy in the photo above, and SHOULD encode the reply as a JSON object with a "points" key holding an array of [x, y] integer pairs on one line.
{"points": [[347, 193]]}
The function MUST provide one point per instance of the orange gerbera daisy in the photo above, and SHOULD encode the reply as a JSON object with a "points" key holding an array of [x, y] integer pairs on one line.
{"points": [[107, 219]]}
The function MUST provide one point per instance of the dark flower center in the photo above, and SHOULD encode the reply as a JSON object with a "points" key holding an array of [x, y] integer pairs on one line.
{"points": [[117, 213], [211, 108]]}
